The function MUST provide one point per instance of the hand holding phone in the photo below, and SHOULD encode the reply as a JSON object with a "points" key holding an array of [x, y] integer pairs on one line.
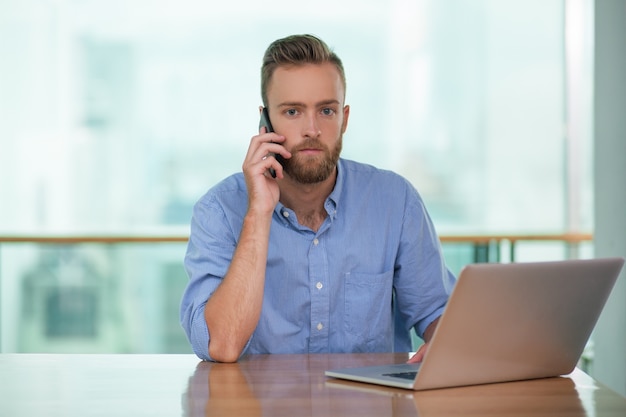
{"points": [[265, 122]]}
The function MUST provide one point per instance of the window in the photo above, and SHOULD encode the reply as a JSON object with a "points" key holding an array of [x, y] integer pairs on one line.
{"points": [[116, 116]]}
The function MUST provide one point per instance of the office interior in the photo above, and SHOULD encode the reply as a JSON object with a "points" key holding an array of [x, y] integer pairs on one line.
{"points": [[116, 116]]}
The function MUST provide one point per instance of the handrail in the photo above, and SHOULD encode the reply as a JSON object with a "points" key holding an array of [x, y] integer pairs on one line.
{"points": [[113, 239], [481, 243], [106, 239], [563, 237]]}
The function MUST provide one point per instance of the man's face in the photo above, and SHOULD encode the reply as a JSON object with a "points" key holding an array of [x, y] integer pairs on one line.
{"points": [[306, 106]]}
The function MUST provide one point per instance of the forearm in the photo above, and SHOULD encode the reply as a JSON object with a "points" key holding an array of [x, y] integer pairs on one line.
{"points": [[233, 311], [428, 335]]}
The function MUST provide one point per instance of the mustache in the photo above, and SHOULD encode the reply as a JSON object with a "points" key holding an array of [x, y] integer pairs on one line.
{"points": [[310, 143]]}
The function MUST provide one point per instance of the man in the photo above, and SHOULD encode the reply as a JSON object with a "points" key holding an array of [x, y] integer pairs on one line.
{"points": [[330, 255]]}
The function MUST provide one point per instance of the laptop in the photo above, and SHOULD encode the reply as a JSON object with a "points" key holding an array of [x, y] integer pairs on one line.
{"points": [[507, 322]]}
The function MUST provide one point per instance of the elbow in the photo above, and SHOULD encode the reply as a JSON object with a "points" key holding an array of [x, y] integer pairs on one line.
{"points": [[222, 353], [225, 357]]}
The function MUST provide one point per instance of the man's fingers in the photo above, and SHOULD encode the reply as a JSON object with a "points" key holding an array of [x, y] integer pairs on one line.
{"points": [[419, 355]]}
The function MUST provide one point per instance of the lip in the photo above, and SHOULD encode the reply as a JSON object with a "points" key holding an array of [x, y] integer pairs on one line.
{"points": [[308, 151]]}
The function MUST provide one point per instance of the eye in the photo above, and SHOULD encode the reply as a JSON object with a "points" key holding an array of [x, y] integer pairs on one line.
{"points": [[327, 111], [291, 112]]}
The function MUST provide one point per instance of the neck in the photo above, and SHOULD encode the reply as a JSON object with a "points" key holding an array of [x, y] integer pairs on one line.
{"points": [[307, 200]]}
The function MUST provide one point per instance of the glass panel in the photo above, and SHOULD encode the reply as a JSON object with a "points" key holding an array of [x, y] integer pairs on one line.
{"points": [[120, 114], [92, 298]]}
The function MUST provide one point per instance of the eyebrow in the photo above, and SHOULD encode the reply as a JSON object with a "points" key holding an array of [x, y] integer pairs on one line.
{"points": [[300, 104]]}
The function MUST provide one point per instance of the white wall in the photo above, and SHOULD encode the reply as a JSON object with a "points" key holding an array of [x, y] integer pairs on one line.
{"points": [[610, 183]]}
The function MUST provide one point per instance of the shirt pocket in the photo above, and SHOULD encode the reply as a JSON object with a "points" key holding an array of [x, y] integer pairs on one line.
{"points": [[368, 312]]}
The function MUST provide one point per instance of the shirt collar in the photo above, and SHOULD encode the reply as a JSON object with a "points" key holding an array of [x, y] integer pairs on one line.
{"points": [[332, 202]]}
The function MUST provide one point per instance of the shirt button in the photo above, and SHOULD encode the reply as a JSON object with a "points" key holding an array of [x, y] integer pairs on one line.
{"points": [[316, 241], [285, 213], [319, 285], [320, 326]]}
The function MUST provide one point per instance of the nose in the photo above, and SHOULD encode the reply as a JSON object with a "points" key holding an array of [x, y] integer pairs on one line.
{"points": [[312, 128]]}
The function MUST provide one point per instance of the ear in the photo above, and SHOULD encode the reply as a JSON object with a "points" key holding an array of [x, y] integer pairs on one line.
{"points": [[346, 115]]}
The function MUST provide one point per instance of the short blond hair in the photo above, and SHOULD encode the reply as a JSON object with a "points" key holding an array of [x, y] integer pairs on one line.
{"points": [[296, 50]]}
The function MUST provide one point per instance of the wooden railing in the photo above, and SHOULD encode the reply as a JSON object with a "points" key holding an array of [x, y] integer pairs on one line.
{"points": [[483, 245], [103, 239]]}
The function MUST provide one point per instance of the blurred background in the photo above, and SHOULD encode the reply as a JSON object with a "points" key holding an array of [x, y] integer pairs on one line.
{"points": [[116, 116]]}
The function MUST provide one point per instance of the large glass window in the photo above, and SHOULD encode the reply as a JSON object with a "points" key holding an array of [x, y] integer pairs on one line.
{"points": [[116, 116]]}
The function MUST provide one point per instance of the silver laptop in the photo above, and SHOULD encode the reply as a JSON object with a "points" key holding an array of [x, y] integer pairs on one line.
{"points": [[507, 322]]}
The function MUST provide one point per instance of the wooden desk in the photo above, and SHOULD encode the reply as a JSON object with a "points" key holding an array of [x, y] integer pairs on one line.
{"points": [[267, 385]]}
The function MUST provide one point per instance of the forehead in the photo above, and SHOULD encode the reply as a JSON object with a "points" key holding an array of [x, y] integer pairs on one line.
{"points": [[304, 83]]}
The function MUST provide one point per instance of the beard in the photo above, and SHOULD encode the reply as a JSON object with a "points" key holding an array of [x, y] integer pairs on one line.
{"points": [[312, 169]]}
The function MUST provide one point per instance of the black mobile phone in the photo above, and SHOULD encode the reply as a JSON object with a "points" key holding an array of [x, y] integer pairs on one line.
{"points": [[265, 121]]}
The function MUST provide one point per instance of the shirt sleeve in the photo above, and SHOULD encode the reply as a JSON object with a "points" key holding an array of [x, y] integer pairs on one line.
{"points": [[423, 282], [209, 253]]}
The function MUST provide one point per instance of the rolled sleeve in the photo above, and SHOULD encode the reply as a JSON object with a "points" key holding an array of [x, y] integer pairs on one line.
{"points": [[198, 334], [209, 251], [424, 282]]}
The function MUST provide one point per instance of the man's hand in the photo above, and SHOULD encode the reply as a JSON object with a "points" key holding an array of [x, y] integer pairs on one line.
{"points": [[263, 190], [428, 334], [419, 355]]}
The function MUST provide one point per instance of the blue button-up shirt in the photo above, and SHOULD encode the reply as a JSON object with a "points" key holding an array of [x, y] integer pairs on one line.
{"points": [[372, 271]]}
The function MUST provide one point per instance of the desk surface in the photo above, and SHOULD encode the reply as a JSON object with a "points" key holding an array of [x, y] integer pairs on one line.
{"points": [[267, 385]]}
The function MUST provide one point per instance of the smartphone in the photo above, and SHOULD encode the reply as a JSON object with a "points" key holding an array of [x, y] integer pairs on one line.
{"points": [[265, 121]]}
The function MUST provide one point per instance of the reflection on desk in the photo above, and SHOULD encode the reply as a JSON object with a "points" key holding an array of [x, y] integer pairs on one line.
{"points": [[267, 385], [294, 385]]}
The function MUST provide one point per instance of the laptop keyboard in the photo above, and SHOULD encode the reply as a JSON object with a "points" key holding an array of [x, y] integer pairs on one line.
{"points": [[405, 375]]}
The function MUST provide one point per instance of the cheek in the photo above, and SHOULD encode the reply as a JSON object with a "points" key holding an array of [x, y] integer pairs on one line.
{"points": [[333, 128], [291, 133], [344, 125]]}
